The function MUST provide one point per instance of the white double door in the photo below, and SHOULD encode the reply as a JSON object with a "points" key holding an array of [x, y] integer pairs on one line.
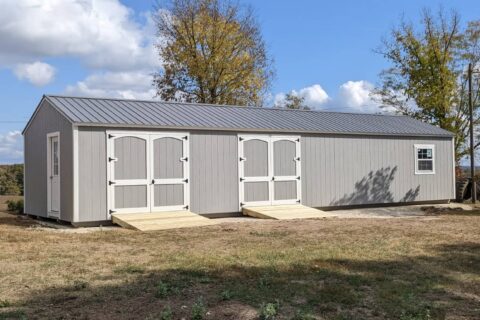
{"points": [[147, 172], [269, 170]]}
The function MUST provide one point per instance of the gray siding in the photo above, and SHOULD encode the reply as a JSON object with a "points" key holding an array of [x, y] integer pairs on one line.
{"points": [[365, 170], [47, 120], [130, 196], [92, 174], [168, 195], [256, 191], [336, 170], [256, 158], [214, 172]]}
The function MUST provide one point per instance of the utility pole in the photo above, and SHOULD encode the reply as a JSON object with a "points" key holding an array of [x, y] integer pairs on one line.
{"points": [[472, 145]]}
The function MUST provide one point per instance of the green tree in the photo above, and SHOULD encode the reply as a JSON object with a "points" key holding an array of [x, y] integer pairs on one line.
{"points": [[212, 52], [11, 179], [293, 101], [427, 78]]}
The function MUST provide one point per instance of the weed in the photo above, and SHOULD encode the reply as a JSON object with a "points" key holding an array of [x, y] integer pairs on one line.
{"points": [[161, 290], [5, 304], [423, 314], [269, 311], [198, 310], [226, 295], [166, 314]]}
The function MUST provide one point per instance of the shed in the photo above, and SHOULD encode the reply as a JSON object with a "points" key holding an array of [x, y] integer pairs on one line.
{"points": [[86, 158]]}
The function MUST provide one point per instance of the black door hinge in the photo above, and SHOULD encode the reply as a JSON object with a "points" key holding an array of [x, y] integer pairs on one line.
{"points": [[240, 139], [111, 211], [110, 159], [110, 136], [185, 207], [185, 180], [298, 178], [185, 138], [241, 179], [111, 182]]}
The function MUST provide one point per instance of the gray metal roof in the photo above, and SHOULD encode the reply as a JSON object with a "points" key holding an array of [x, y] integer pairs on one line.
{"points": [[156, 114]]}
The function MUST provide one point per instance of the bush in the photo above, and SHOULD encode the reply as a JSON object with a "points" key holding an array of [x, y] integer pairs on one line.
{"points": [[268, 311], [198, 310], [15, 206]]}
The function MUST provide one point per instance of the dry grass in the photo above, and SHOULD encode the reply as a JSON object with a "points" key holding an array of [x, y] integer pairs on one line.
{"points": [[419, 268]]}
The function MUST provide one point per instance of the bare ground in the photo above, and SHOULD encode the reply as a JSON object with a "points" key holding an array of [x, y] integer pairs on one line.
{"points": [[409, 268]]}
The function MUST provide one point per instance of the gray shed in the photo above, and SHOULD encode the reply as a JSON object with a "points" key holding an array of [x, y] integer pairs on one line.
{"points": [[86, 158]]}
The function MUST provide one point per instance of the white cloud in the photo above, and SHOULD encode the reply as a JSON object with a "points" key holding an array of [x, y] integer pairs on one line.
{"points": [[11, 147], [127, 85], [314, 96], [356, 95], [102, 33], [353, 96], [37, 73]]}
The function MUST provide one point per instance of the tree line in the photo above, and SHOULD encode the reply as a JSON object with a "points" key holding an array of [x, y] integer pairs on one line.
{"points": [[11, 179]]}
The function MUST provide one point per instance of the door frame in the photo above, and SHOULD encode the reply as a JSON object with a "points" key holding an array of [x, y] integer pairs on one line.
{"points": [[51, 213], [184, 137], [270, 139], [147, 135]]}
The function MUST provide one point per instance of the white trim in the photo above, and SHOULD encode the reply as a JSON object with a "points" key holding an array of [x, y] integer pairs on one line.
{"points": [[270, 178], [424, 146], [454, 172], [51, 213], [76, 182]]}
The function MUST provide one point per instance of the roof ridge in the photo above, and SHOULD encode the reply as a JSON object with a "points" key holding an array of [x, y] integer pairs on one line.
{"points": [[223, 105]]}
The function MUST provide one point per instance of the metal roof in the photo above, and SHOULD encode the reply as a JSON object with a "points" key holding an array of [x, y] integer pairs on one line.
{"points": [[175, 115]]}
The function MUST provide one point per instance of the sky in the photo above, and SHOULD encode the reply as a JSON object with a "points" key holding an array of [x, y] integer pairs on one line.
{"points": [[323, 51]]}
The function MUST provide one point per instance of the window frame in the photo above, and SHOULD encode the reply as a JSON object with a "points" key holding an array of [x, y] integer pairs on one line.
{"points": [[424, 146]]}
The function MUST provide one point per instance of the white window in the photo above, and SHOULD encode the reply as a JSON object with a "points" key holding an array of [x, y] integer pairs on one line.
{"points": [[424, 159]]}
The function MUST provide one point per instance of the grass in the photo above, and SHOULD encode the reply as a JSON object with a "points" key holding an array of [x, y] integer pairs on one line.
{"points": [[415, 268]]}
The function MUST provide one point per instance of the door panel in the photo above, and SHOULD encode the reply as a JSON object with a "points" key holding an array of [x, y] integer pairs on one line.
{"points": [[130, 197], [284, 154], [131, 154], [256, 153], [168, 195], [167, 163], [285, 190], [256, 191]]}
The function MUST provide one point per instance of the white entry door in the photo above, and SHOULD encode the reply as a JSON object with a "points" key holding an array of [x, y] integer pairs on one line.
{"points": [[53, 172], [269, 170], [147, 172]]}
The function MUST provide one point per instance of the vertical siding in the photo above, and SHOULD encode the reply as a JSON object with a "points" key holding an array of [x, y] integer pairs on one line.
{"points": [[48, 120], [92, 174], [213, 172], [365, 170]]}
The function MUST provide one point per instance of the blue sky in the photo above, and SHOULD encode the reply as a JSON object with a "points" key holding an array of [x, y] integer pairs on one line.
{"points": [[323, 51]]}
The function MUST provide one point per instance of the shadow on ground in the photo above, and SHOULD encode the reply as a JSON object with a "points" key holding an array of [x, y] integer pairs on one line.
{"points": [[423, 287]]}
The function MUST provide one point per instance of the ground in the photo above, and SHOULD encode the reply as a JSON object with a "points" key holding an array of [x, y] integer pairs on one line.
{"points": [[424, 267]]}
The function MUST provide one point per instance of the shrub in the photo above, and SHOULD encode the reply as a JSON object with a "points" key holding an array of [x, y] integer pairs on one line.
{"points": [[15, 206], [166, 314], [198, 310], [226, 295], [4, 304], [268, 311], [161, 290]]}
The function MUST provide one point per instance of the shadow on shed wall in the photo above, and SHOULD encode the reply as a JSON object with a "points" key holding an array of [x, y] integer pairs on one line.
{"points": [[375, 188]]}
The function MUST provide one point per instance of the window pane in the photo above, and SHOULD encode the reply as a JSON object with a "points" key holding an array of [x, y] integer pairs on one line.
{"points": [[425, 153], [425, 165]]}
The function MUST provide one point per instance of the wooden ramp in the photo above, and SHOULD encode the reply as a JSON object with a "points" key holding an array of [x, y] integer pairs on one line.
{"points": [[286, 212], [152, 221]]}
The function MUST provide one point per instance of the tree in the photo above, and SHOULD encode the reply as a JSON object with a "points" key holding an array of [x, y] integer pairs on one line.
{"points": [[293, 101], [427, 79], [212, 52]]}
